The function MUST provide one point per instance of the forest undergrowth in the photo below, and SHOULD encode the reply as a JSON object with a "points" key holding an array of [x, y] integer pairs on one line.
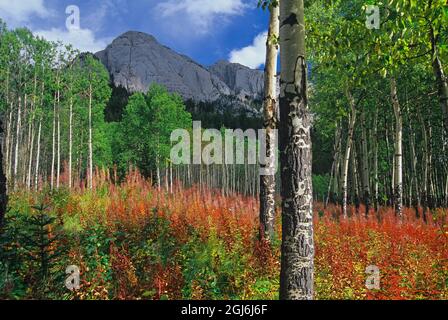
{"points": [[135, 241]]}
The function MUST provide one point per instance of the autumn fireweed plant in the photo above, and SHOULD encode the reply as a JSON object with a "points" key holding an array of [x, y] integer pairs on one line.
{"points": [[134, 241]]}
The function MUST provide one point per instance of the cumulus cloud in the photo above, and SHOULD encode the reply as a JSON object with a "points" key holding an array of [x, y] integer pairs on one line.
{"points": [[252, 56], [18, 11], [201, 14], [82, 39]]}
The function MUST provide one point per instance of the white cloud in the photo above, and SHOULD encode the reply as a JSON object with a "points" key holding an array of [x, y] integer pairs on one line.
{"points": [[201, 14], [82, 39], [17, 11], [252, 56]]}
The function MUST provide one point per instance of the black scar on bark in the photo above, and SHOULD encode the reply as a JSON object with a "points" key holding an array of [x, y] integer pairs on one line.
{"points": [[291, 20]]}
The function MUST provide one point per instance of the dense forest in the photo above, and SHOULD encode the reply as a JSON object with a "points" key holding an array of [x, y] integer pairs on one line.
{"points": [[362, 118]]}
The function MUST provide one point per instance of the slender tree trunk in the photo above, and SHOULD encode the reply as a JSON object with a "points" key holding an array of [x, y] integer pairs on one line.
{"points": [[58, 166], [36, 177], [414, 176], [53, 151], [398, 185], [267, 179], [90, 139], [70, 143], [365, 165], [8, 144], [348, 147], [30, 163], [3, 181], [16, 156], [297, 261], [375, 163], [335, 165]]}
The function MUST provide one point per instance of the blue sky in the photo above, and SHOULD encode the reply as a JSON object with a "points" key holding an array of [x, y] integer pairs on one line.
{"points": [[205, 30]]}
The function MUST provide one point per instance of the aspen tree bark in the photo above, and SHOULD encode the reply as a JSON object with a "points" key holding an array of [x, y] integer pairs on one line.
{"points": [[8, 145], [348, 147], [267, 181], [335, 165], [16, 152], [398, 176], [30, 163], [414, 164], [70, 143], [297, 261], [425, 170], [365, 165], [355, 184], [446, 191], [53, 150], [58, 166], [3, 182], [36, 177], [375, 163], [90, 138]]}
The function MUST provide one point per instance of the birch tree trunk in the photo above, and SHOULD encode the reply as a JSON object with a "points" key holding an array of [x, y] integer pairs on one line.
{"points": [[297, 261], [398, 176], [267, 180]]}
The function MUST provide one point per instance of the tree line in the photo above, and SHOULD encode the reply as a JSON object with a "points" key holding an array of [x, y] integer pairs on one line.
{"points": [[381, 95]]}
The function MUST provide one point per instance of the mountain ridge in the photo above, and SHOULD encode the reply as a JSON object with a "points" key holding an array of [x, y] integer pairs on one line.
{"points": [[136, 59]]}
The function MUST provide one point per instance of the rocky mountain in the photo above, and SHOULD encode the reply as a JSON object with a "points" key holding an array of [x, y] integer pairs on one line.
{"points": [[243, 81], [135, 60]]}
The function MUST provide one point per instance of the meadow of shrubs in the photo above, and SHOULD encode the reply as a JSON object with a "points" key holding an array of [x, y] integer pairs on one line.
{"points": [[134, 241]]}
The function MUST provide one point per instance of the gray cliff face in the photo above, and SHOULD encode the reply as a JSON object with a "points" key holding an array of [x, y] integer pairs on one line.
{"points": [[135, 60], [244, 82]]}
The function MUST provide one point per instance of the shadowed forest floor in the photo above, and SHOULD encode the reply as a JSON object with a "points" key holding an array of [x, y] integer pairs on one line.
{"points": [[133, 241]]}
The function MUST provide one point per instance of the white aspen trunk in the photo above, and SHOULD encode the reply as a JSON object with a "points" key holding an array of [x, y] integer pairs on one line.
{"points": [[171, 177], [58, 172], [267, 179], [90, 139], [398, 187], [30, 163], [158, 173], [53, 152], [375, 163], [8, 142], [348, 148], [335, 165], [414, 164], [36, 177], [365, 165], [297, 252], [70, 144], [16, 157]]}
